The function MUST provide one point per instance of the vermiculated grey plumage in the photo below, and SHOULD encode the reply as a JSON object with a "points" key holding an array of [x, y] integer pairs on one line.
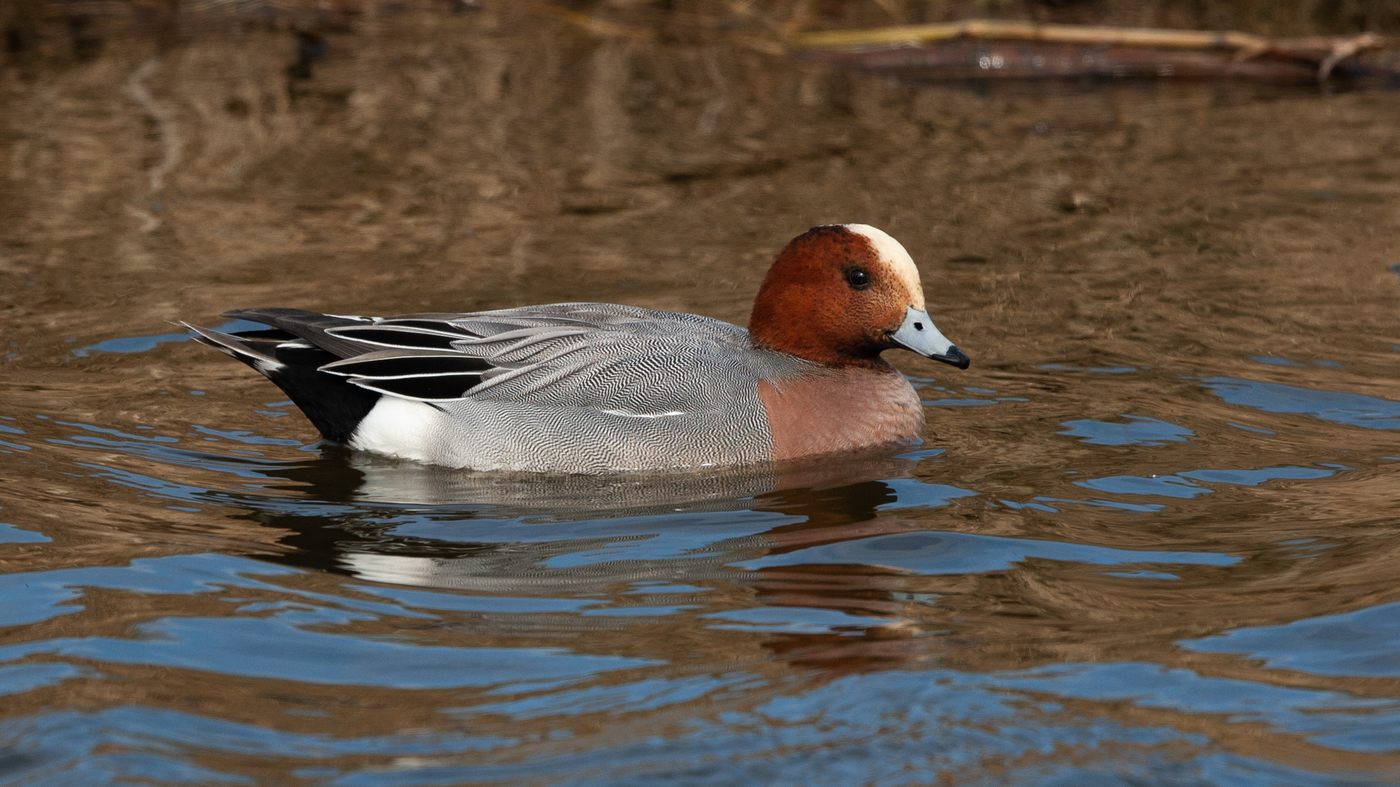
{"points": [[572, 387]]}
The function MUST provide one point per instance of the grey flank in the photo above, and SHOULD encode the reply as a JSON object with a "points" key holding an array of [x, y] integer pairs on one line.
{"points": [[571, 388]]}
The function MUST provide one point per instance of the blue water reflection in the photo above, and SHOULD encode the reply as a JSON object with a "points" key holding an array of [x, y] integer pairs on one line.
{"points": [[1255, 477], [933, 554], [289, 644], [1135, 430], [1366, 412], [1296, 710], [1154, 486], [146, 343], [9, 534], [1353, 644]]}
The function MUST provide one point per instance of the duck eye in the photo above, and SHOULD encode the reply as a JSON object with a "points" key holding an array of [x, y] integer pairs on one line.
{"points": [[858, 278]]}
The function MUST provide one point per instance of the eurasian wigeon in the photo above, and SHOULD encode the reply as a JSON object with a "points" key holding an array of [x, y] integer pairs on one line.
{"points": [[603, 388]]}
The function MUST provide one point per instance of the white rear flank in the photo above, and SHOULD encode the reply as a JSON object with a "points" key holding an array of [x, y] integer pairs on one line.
{"points": [[400, 427], [895, 258]]}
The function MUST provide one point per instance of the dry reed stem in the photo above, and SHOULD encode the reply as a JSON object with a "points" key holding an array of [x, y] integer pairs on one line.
{"points": [[1031, 31], [1327, 52]]}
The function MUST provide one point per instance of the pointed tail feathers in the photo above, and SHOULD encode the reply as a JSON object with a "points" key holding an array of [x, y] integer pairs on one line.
{"points": [[290, 355]]}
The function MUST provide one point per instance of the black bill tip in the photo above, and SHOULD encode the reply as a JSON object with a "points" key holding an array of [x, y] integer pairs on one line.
{"points": [[954, 357]]}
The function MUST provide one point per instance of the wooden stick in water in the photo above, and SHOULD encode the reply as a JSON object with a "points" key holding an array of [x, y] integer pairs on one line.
{"points": [[1325, 52]]}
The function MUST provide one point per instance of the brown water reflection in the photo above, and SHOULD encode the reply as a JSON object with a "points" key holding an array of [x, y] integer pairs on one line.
{"points": [[1161, 285]]}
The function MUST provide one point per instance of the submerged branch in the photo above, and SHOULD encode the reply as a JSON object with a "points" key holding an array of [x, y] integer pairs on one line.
{"points": [[1053, 50]]}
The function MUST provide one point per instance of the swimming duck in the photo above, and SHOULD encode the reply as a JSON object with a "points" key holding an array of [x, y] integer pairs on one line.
{"points": [[602, 388]]}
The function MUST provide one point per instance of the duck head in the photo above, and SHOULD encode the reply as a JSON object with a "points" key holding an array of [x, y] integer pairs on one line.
{"points": [[841, 294]]}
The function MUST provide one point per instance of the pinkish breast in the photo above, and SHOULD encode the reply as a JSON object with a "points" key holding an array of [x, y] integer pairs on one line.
{"points": [[832, 410]]}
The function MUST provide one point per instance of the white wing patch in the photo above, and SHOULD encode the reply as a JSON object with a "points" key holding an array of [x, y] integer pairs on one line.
{"points": [[896, 258]]}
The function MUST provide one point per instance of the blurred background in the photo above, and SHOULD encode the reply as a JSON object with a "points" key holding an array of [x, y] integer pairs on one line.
{"points": [[1151, 535]]}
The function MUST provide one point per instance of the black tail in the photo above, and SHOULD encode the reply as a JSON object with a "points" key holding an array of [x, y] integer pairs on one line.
{"points": [[290, 355]]}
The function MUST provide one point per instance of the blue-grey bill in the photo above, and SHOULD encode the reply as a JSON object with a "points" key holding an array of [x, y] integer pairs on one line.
{"points": [[918, 333]]}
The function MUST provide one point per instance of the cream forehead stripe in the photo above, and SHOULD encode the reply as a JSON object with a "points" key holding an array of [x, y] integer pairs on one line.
{"points": [[893, 254]]}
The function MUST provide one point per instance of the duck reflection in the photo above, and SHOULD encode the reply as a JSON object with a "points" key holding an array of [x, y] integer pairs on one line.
{"points": [[409, 524], [667, 558]]}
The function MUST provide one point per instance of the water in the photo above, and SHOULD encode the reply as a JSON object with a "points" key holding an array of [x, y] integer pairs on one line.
{"points": [[1152, 535]]}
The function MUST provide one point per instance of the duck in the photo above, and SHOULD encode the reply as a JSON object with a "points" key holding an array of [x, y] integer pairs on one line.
{"points": [[601, 388]]}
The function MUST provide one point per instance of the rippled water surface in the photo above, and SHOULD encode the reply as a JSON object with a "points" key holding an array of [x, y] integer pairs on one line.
{"points": [[1152, 534]]}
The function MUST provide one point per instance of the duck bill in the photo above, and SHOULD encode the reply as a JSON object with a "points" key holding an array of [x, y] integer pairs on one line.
{"points": [[918, 333]]}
